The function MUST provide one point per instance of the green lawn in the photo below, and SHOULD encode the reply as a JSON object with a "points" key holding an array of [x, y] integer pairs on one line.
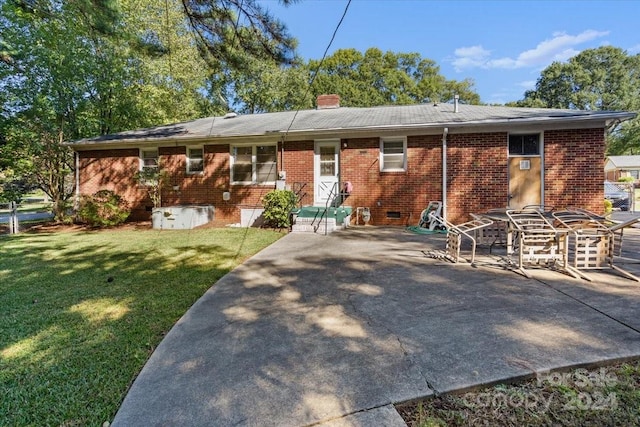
{"points": [[82, 312]]}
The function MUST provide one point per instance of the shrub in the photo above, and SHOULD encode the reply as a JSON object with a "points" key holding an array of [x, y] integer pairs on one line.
{"points": [[103, 209], [608, 207], [626, 179], [277, 207], [154, 180]]}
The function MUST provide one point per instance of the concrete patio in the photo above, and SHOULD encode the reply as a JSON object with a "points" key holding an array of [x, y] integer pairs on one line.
{"points": [[333, 330]]}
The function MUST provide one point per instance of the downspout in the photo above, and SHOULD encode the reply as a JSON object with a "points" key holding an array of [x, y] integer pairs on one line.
{"points": [[77, 165], [282, 139], [445, 132]]}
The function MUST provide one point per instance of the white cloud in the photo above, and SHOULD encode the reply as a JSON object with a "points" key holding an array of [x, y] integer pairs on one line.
{"points": [[470, 57], [634, 49], [506, 63], [558, 48]]}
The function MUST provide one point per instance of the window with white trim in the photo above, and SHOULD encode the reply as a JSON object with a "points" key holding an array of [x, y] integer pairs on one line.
{"points": [[254, 164], [393, 154], [148, 159], [195, 160]]}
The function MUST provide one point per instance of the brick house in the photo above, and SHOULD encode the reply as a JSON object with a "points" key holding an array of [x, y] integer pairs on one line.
{"points": [[394, 159], [616, 167]]}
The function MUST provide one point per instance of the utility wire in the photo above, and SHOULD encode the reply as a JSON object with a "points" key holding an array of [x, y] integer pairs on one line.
{"points": [[315, 74], [333, 36]]}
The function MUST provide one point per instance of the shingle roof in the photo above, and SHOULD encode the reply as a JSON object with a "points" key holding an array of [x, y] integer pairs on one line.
{"points": [[621, 162], [349, 119]]}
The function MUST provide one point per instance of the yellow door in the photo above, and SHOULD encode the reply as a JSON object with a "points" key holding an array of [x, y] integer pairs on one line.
{"points": [[525, 181]]}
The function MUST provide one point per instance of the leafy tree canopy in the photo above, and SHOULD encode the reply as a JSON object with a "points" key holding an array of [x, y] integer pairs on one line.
{"points": [[383, 78], [606, 78]]}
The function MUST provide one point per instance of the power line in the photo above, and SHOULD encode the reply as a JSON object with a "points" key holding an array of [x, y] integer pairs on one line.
{"points": [[315, 74], [298, 109]]}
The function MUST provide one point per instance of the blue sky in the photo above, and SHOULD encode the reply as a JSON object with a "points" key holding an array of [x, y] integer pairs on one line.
{"points": [[502, 45]]}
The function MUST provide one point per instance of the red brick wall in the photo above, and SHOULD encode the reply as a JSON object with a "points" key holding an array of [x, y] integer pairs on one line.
{"points": [[573, 168], [406, 193], [476, 168], [477, 174], [297, 161], [113, 170]]}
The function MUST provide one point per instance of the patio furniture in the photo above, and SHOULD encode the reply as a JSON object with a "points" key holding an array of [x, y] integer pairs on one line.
{"points": [[541, 208], [538, 243], [455, 234], [617, 227], [590, 243], [496, 233]]}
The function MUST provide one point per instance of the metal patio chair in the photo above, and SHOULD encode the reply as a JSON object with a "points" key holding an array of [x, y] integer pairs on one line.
{"points": [[538, 243], [591, 244], [455, 233], [617, 227], [495, 233]]}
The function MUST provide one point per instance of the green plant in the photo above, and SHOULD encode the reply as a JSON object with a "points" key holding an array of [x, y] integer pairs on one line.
{"points": [[626, 179], [103, 209], [608, 206], [277, 207], [154, 180]]}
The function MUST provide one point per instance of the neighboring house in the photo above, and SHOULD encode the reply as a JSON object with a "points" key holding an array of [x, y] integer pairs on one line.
{"points": [[395, 159], [616, 167]]}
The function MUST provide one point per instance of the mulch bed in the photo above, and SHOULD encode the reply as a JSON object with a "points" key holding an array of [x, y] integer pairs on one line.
{"points": [[56, 227]]}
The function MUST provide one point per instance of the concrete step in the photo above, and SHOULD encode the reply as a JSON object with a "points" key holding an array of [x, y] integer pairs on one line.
{"points": [[313, 225]]}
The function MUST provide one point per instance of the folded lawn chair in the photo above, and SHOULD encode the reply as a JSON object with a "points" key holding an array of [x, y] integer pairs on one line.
{"points": [[591, 244]]}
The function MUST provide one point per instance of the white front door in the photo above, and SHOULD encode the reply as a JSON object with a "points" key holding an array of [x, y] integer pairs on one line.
{"points": [[326, 171]]}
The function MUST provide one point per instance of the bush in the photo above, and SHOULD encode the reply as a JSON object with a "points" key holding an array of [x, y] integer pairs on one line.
{"points": [[103, 209], [626, 179], [277, 207], [608, 207]]}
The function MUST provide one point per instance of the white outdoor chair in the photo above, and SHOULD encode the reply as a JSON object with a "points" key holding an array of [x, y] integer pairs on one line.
{"points": [[591, 244], [617, 227], [455, 234], [538, 243]]}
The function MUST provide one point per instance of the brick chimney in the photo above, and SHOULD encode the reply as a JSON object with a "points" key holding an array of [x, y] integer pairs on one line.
{"points": [[325, 102]]}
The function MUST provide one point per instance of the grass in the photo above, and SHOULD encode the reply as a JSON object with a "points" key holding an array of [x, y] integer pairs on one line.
{"points": [[604, 396], [83, 311]]}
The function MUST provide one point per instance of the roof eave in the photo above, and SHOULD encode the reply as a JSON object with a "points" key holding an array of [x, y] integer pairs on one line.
{"points": [[604, 120]]}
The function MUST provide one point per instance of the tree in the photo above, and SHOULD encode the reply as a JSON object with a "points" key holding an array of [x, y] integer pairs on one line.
{"points": [[384, 78], [76, 77], [93, 67], [228, 32], [606, 78], [43, 162], [267, 87]]}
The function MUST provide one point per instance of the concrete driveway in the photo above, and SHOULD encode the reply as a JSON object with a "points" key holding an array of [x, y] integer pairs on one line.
{"points": [[332, 330]]}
